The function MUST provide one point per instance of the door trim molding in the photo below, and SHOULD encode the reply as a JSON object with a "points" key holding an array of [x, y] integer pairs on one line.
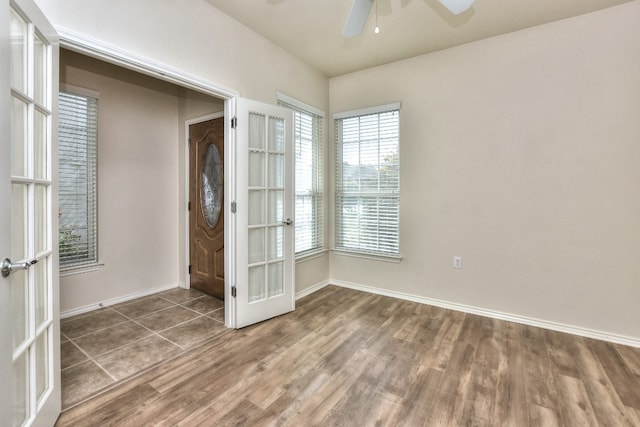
{"points": [[94, 48]]}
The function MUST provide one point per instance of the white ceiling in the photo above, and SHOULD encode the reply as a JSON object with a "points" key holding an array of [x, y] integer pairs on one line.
{"points": [[312, 29]]}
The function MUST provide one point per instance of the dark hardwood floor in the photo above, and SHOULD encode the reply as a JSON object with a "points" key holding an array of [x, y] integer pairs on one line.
{"points": [[347, 358]]}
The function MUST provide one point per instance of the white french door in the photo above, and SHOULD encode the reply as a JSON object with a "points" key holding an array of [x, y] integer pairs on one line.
{"points": [[264, 212], [29, 337]]}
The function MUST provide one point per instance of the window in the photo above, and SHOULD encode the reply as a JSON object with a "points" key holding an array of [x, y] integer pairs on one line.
{"points": [[368, 180], [78, 116], [309, 228]]}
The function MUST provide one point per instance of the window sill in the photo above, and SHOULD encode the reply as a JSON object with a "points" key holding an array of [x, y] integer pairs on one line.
{"points": [[81, 268], [308, 256], [364, 255]]}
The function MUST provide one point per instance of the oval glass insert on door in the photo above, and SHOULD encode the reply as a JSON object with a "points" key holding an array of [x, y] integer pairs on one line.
{"points": [[211, 190]]}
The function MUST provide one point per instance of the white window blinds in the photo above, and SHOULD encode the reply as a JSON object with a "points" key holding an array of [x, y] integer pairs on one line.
{"points": [[368, 182], [309, 204], [78, 117]]}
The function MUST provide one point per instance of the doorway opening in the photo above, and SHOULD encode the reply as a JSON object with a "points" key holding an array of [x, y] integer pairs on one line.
{"points": [[202, 88], [143, 119]]}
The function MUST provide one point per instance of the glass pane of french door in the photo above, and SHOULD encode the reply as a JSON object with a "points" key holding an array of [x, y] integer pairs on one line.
{"points": [[266, 207], [31, 139]]}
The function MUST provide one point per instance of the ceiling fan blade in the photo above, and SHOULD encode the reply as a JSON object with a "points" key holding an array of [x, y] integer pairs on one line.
{"points": [[456, 6], [357, 17]]}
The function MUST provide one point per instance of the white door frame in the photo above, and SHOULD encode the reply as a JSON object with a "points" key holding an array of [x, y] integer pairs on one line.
{"points": [[114, 55], [6, 361]]}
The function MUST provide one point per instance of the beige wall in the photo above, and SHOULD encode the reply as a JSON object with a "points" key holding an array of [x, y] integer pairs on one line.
{"points": [[520, 153]]}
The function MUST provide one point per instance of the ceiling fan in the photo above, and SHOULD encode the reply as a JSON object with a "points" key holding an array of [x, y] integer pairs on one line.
{"points": [[360, 12]]}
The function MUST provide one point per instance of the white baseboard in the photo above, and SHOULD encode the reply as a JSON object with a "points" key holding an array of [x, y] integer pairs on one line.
{"points": [[112, 301], [312, 289], [554, 326]]}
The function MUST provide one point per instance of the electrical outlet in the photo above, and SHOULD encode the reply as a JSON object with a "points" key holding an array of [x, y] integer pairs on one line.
{"points": [[457, 262]]}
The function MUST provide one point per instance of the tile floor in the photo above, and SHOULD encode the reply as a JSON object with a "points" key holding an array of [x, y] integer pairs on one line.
{"points": [[105, 346]]}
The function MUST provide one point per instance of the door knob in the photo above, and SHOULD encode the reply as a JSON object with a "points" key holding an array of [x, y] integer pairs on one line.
{"points": [[9, 267], [287, 222]]}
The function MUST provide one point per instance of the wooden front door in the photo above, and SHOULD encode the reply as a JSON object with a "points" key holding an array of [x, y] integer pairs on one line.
{"points": [[206, 212]]}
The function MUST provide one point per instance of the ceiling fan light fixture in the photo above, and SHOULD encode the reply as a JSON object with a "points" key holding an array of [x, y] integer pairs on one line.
{"points": [[456, 6]]}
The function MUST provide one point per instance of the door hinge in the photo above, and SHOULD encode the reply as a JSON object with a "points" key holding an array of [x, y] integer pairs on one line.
{"points": [[233, 207], [189, 142], [189, 206], [189, 268], [233, 291], [234, 122]]}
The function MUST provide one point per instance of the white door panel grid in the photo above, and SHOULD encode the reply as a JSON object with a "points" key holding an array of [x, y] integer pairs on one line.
{"points": [[264, 212], [30, 342]]}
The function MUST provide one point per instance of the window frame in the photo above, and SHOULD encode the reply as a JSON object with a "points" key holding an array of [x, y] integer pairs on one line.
{"points": [[92, 261], [340, 246], [317, 117]]}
